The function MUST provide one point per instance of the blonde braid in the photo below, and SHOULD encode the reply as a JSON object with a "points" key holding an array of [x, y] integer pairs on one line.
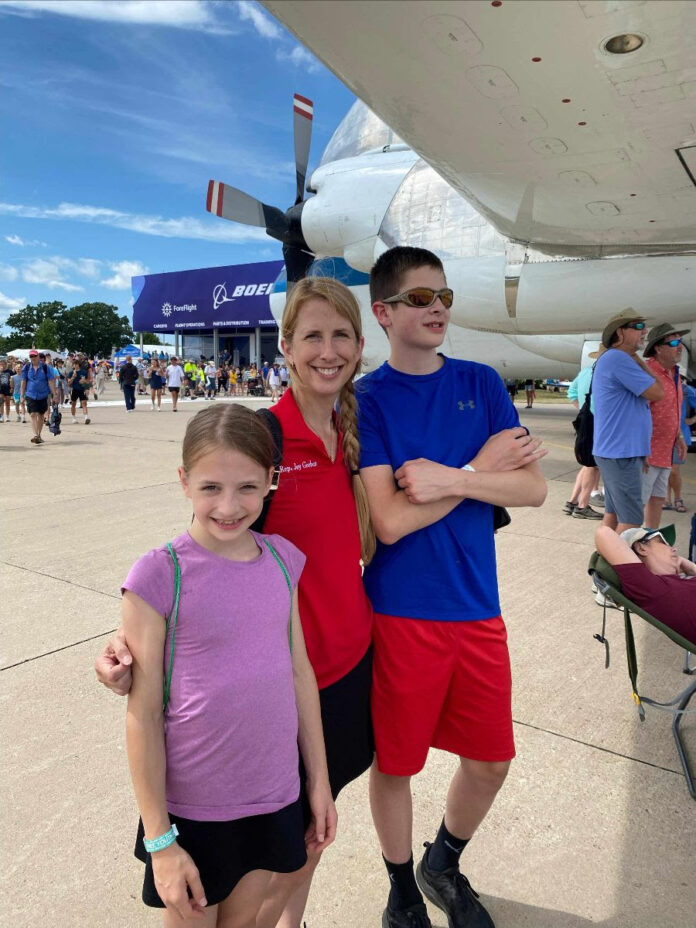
{"points": [[347, 414]]}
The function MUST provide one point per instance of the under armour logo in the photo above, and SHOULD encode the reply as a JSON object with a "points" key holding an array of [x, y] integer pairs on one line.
{"points": [[469, 403]]}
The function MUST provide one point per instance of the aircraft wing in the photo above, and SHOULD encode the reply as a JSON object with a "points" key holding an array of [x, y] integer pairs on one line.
{"points": [[516, 103]]}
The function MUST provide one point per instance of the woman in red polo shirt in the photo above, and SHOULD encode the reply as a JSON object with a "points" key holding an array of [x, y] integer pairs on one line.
{"points": [[320, 505]]}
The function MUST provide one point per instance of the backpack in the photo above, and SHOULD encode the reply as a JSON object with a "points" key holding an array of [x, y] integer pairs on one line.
{"points": [[277, 433], [584, 431]]}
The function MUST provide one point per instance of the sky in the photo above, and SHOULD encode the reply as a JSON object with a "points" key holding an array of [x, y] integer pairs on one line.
{"points": [[113, 117]]}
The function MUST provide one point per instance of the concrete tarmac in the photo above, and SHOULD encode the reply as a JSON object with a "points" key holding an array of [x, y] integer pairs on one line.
{"points": [[593, 827]]}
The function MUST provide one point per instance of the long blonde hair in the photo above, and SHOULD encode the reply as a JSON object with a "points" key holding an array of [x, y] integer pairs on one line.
{"points": [[342, 300]]}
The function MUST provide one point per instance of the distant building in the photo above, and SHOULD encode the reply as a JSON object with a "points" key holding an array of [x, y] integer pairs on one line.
{"points": [[211, 310]]}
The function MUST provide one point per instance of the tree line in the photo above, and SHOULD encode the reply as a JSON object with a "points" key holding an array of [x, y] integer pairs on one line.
{"points": [[94, 328]]}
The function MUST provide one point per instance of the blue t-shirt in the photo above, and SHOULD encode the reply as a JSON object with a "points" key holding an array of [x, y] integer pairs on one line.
{"points": [[37, 381], [688, 404], [579, 388], [622, 420], [447, 570]]}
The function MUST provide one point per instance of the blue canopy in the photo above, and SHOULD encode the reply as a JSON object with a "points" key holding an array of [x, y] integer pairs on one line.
{"points": [[131, 350], [234, 296]]}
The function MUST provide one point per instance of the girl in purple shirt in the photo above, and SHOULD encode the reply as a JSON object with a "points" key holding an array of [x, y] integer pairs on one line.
{"points": [[216, 771]]}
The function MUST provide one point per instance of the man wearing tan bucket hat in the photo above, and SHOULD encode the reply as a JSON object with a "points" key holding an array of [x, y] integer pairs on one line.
{"points": [[622, 389], [663, 351]]}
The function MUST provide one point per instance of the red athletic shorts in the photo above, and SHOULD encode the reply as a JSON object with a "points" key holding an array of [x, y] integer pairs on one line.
{"points": [[444, 685]]}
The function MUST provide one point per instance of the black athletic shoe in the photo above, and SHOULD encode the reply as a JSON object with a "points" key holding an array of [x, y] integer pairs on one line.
{"points": [[415, 916], [569, 508], [450, 891]]}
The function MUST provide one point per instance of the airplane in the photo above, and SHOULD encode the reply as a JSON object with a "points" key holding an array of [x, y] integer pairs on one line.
{"points": [[547, 222]]}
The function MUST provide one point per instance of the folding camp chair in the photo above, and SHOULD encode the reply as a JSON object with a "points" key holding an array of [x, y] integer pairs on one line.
{"points": [[607, 582]]}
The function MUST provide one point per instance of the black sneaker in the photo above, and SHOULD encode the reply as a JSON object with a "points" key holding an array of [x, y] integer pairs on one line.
{"points": [[587, 512], [569, 508], [450, 891], [415, 916]]}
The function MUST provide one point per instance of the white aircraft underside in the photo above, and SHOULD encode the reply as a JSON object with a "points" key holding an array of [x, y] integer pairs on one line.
{"points": [[556, 191]]}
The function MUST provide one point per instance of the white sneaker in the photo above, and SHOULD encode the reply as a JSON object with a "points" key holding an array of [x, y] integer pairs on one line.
{"points": [[607, 601], [153, 407], [1, 419], [74, 419], [24, 419], [597, 497], [87, 420], [159, 409], [19, 418]]}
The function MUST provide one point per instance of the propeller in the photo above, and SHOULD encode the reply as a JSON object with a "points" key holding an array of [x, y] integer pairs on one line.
{"points": [[237, 206]]}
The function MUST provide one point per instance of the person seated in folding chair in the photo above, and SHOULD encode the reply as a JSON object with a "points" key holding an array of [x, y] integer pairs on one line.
{"points": [[653, 575]]}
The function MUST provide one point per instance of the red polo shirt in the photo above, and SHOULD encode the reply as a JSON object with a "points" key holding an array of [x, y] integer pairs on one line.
{"points": [[666, 415], [314, 508]]}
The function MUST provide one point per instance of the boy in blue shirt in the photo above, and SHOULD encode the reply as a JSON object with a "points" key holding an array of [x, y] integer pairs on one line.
{"points": [[440, 446]]}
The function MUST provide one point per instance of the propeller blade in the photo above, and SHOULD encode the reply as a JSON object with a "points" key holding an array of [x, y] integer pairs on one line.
{"points": [[230, 203], [304, 114]]}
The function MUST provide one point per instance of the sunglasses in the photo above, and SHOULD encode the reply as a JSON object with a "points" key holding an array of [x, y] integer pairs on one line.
{"points": [[423, 297], [672, 343], [638, 326]]}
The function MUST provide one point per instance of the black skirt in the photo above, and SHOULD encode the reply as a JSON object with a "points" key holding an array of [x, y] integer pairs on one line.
{"points": [[348, 735], [224, 852]]}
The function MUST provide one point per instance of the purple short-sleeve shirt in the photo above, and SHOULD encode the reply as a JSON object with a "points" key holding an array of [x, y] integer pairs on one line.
{"points": [[231, 722]]}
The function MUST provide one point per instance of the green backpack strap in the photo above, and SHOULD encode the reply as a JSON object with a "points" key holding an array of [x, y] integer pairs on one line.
{"points": [[171, 625], [282, 566]]}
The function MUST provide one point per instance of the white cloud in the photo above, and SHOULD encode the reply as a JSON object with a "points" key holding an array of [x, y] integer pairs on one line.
{"points": [[8, 305], [17, 240], [181, 14], [7, 272], [48, 272], [123, 271], [299, 57], [216, 230], [263, 24]]}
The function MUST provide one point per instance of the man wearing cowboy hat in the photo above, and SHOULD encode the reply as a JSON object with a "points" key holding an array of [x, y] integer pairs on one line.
{"points": [[663, 351], [622, 389]]}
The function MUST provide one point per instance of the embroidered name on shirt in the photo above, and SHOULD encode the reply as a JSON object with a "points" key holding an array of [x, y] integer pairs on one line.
{"points": [[468, 404], [298, 465]]}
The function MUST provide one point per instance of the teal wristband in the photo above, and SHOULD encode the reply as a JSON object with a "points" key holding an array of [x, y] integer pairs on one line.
{"points": [[159, 844]]}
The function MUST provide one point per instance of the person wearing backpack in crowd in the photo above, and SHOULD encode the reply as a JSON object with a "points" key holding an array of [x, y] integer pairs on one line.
{"points": [[221, 816], [322, 341], [128, 377], [587, 480], [79, 383], [663, 352], [210, 374], [441, 445], [37, 386]]}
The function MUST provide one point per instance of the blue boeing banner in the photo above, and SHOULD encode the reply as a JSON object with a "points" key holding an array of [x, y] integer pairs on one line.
{"points": [[229, 297]]}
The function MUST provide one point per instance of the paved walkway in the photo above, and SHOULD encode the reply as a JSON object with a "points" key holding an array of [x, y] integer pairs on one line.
{"points": [[594, 826]]}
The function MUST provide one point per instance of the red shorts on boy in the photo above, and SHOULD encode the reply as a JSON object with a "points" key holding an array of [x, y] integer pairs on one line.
{"points": [[437, 684]]}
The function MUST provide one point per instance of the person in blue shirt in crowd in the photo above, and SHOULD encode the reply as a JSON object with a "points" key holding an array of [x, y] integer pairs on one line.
{"points": [[38, 384], [587, 480], [441, 445], [622, 389]]}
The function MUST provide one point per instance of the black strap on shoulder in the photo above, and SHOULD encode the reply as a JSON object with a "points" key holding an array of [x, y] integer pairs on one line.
{"points": [[276, 431]]}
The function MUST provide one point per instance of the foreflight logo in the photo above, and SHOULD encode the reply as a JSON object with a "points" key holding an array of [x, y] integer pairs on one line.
{"points": [[169, 308]]}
